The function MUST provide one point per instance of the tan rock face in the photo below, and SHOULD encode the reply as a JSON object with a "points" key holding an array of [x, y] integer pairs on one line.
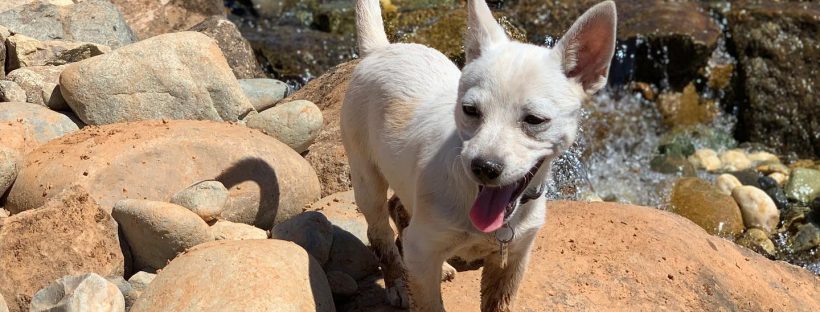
{"points": [[244, 275], [190, 79], [327, 155], [41, 124], [26, 51], [267, 181], [602, 256], [70, 234]]}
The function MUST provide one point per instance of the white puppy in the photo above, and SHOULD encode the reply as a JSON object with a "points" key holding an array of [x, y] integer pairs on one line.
{"points": [[462, 149]]}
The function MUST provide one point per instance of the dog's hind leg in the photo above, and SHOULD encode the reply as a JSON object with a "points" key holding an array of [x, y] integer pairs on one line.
{"points": [[370, 189]]}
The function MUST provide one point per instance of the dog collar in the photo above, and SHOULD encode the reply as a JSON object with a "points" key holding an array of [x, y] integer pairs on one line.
{"points": [[531, 194]]}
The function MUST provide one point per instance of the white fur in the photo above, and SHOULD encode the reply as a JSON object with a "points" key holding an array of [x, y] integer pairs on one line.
{"points": [[403, 127]]}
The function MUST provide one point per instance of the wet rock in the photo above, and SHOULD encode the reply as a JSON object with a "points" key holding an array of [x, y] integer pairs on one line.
{"points": [[45, 125], [748, 177], [9, 165], [327, 155], [311, 230], [253, 275], [725, 183], [807, 237], [681, 109], [768, 168], [295, 123], [700, 136], [263, 93], [268, 182], [349, 255], [157, 232], [226, 230], [763, 157], [776, 45], [735, 160], [341, 210], [10, 91], [237, 49], [779, 177], [341, 284], [706, 159], [758, 209], [190, 80], [677, 164], [88, 292], [207, 199], [757, 240], [794, 216], [150, 18], [72, 230], [95, 21], [25, 51], [803, 185], [772, 188], [713, 211], [40, 85]]}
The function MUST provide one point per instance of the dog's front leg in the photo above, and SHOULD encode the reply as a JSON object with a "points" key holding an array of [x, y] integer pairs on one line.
{"points": [[423, 258], [499, 285]]}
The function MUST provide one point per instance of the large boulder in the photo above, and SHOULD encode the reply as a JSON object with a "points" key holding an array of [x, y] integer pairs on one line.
{"points": [[606, 256], [40, 124], [776, 43], [327, 155], [189, 79], [24, 51], [149, 18], [236, 48], [70, 234], [268, 182], [243, 275], [96, 21]]}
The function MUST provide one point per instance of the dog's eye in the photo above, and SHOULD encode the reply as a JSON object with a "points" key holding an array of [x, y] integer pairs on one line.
{"points": [[470, 110], [535, 120]]}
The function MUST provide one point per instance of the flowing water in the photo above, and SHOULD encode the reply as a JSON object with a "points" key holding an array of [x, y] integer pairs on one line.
{"points": [[621, 132]]}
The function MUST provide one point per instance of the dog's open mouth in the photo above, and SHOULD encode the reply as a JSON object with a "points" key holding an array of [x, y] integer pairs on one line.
{"points": [[493, 204]]}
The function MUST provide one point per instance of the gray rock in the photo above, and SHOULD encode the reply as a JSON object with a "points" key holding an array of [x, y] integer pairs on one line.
{"points": [[190, 80], [226, 230], [96, 21], [157, 232], [341, 284], [128, 292], [295, 123], [807, 237], [311, 230], [236, 48], [40, 84], [263, 93], [349, 255], [757, 240], [45, 124], [207, 199], [9, 160], [141, 280], [79, 293], [341, 210], [24, 51], [10, 91], [803, 185]]}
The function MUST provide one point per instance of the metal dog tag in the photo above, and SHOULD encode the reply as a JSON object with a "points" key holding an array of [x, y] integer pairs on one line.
{"points": [[504, 235]]}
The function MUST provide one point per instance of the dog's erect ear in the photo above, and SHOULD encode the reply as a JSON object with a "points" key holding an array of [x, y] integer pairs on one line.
{"points": [[586, 49], [482, 30]]}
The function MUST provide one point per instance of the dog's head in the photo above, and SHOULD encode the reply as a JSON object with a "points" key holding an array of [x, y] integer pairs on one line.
{"points": [[519, 104]]}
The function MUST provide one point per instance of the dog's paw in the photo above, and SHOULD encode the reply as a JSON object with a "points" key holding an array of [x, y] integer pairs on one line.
{"points": [[448, 272], [397, 295]]}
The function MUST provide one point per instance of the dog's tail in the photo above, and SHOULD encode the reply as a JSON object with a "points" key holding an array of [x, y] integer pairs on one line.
{"points": [[369, 26]]}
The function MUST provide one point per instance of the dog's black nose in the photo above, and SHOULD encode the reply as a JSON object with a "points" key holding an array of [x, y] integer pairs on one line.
{"points": [[486, 169]]}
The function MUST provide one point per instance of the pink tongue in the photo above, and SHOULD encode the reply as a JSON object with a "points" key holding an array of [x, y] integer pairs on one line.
{"points": [[488, 210]]}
